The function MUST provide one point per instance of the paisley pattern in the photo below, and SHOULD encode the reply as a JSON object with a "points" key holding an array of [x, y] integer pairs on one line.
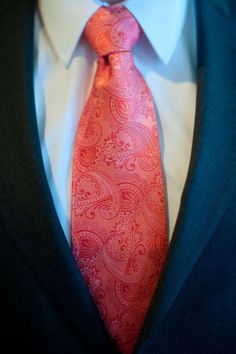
{"points": [[130, 144], [94, 191], [119, 237]]}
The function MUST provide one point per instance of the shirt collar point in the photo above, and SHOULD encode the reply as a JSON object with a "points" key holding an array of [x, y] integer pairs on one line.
{"points": [[164, 53], [67, 62], [65, 55]]}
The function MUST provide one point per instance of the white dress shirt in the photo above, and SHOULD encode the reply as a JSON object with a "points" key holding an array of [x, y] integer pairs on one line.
{"points": [[64, 70]]}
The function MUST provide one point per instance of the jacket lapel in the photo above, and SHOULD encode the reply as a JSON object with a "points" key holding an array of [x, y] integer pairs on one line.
{"points": [[212, 171], [26, 206]]}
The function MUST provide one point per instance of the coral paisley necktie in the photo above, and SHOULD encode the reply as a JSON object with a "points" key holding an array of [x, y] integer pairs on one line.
{"points": [[119, 237]]}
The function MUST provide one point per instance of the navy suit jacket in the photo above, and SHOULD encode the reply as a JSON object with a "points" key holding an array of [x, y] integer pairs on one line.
{"points": [[45, 307]]}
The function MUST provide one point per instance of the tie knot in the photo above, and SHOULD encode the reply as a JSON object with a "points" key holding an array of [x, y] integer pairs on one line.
{"points": [[112, 29]]}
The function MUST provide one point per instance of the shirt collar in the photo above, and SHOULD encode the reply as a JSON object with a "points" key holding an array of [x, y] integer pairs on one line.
{"points": [[65, 20]]}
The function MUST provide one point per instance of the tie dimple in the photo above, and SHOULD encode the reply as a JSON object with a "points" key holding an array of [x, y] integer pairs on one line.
{"points": [[111, 30]]}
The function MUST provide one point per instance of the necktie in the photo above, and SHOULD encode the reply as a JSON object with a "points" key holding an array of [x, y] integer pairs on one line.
{"points": [[119, 237]]}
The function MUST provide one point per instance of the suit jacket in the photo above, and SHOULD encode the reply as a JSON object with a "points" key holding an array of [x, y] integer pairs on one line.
{"points": [[45, 306]]}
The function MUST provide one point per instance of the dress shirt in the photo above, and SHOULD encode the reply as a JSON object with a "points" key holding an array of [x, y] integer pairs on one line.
{"points": [[64, 69]]}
